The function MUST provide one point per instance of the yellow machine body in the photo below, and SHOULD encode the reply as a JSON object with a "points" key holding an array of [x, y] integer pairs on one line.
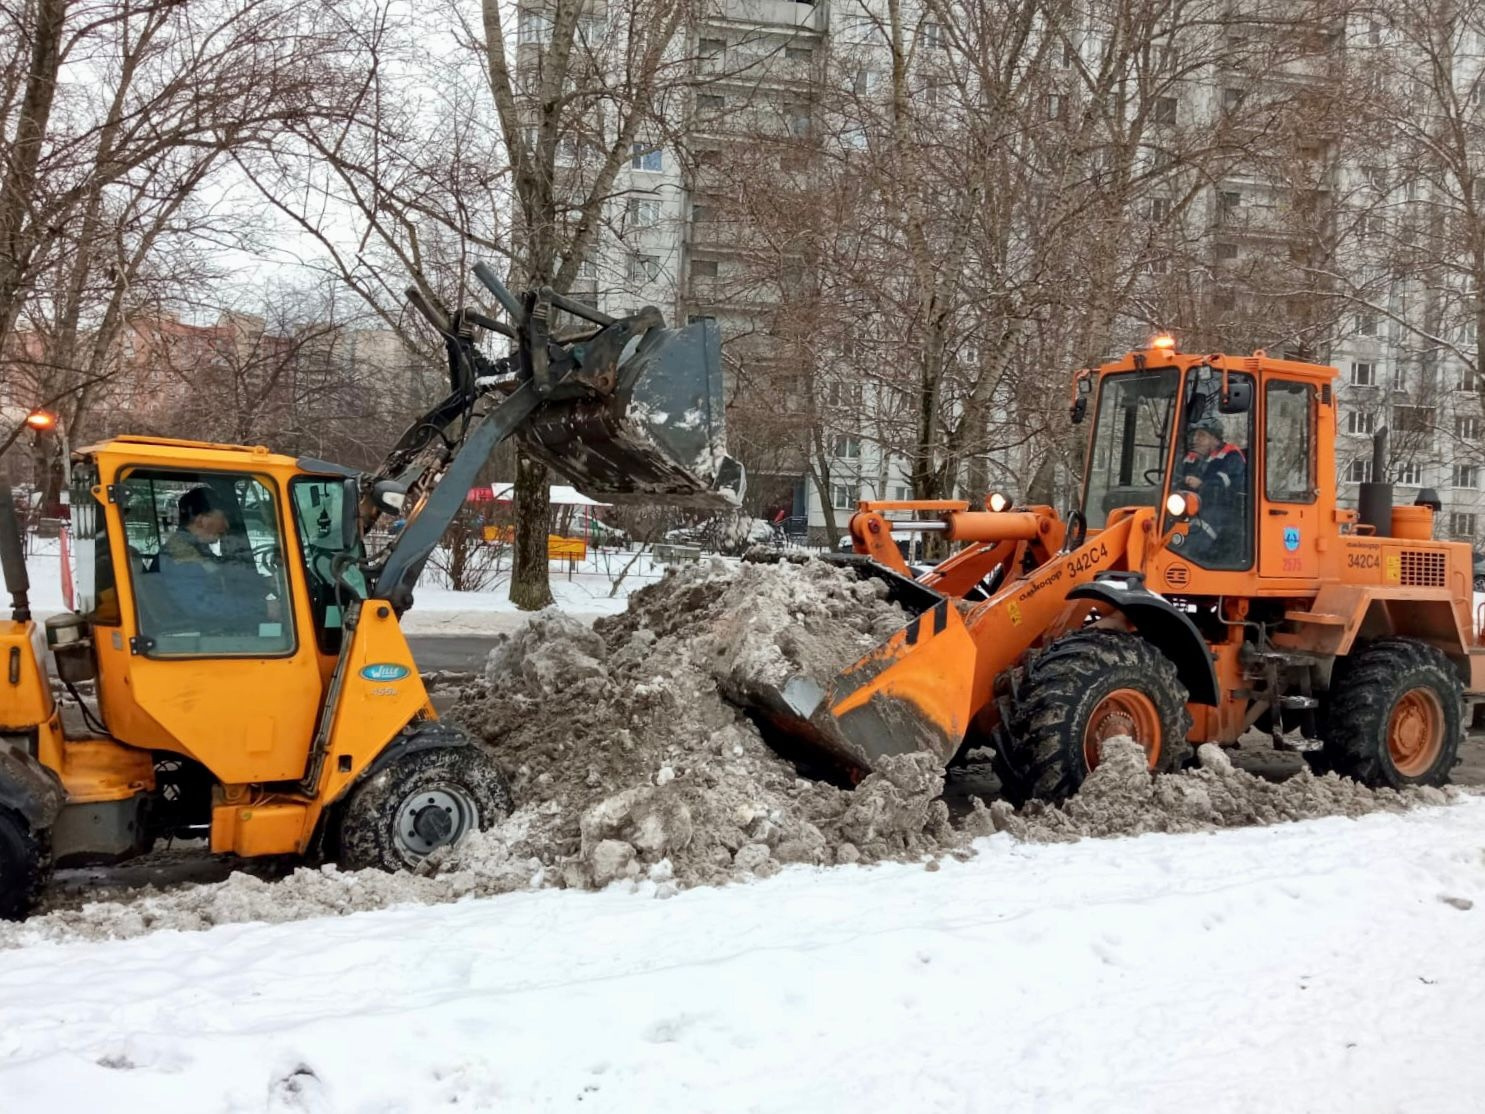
{"points": [[255, 722]]}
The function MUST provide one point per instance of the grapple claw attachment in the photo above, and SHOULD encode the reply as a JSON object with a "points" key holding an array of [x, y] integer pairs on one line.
{"points": [[659, 437]]}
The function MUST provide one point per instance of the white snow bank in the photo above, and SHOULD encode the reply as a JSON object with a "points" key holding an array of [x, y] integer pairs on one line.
{"points": [[1330, 965]]}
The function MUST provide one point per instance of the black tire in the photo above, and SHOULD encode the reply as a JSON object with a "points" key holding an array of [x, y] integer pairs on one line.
{"points": [[25, 864], [383, 823], [1053, 706], [1394, 675]]}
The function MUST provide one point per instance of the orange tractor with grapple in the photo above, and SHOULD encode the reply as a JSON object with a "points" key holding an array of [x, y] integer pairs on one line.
{"points": [[1207, 586]]}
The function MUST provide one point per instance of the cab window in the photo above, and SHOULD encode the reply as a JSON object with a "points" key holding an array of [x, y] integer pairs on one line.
{"points": [[1214, 465], [206, 564], [1287, 445], [97, 588], [332, 571], [1131, 442]]}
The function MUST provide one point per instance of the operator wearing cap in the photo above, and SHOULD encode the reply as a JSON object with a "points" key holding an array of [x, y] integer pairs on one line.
{"points": [[1216, 470]]}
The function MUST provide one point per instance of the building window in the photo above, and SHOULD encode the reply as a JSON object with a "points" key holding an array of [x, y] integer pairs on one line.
{"points": [[797, 118], [643, 213], [1410, 475], [1376, 177], [1373, 33], [842, 396], [704, 268], [844, 497], [713, 48], [934, 38], [1159, 209], [710, 102], [798, 53], [845, 448], [1467, 428], [1360, 421], [1468, 380], [1165, 110], [644, 268], [1366, 325], [1462, 525], [1359, 472], [1412, 419], [1363, 374], [1226, 253], [1464, 475], [1054, 106], [703, 214], [1069, 54], [1232, 99], [1227, 205], [587, 269], [534, 27], [645, 158]]}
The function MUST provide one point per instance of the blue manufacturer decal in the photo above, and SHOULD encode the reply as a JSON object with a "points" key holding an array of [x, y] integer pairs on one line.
{"points": [[385, 671], [1291, 538]]}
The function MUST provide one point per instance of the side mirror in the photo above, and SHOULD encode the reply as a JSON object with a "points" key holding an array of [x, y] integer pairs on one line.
{"points": [[1237, 396], [350, 514], [389, 495], [1082, 388]]}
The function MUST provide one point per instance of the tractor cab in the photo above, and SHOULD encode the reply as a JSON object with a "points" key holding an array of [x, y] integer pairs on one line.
{"points": [[1227, 446]]}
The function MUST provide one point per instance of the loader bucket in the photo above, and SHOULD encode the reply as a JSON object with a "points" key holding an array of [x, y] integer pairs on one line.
{"points": [[659, 438], [912, 693]]}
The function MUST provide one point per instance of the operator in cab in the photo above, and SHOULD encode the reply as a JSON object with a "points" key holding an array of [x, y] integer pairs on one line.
{"points": [[1216, 470], [203, 583]]}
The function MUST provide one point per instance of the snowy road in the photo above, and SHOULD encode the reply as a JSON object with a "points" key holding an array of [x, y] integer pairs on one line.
{"points": [[1330, 965]]}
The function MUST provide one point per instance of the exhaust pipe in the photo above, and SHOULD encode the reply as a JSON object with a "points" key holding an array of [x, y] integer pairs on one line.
{"points": [[13, 558], [1374, 501]]}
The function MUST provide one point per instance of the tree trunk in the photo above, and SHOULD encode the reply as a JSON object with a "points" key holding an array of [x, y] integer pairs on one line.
{"points": [[1042, 490], [17, 240], [530, 588]]}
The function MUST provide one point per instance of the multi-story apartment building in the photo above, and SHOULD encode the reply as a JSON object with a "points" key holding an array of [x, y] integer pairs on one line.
{"points": [[1305, 218]]}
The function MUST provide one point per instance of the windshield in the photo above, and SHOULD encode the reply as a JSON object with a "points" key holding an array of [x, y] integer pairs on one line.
{"points": [[1131, 442]]}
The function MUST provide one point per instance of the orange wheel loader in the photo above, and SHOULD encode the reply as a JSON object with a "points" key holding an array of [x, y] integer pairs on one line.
{"points": [[252, 680], [1208, 584]]}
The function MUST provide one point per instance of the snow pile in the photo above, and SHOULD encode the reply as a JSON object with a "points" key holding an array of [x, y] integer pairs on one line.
{"points": [[628, 755], [1120, 798]]}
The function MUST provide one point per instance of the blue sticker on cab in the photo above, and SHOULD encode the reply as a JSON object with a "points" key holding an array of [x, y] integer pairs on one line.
{"points": [[385, 671]]}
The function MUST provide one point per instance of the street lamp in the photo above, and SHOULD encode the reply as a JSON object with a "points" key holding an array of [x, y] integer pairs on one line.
{"points": [[42, 421]]}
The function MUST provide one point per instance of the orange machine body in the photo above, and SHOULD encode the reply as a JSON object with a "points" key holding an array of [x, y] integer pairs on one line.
{"points": [[1310, 576]]}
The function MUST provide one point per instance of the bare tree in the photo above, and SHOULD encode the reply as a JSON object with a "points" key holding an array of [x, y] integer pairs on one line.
{"points": [[115, 119]]}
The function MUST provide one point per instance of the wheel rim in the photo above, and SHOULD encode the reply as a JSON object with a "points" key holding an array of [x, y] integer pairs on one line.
{"points": [[1123, 712], [1415, 732], [433, 818]]}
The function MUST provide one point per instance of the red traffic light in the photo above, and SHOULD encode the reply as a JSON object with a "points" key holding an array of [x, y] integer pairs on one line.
{"points": [[41, 420]]}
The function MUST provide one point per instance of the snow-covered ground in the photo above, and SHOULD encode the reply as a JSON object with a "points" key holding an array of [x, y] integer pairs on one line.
{"points": [[1331, 965]]}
